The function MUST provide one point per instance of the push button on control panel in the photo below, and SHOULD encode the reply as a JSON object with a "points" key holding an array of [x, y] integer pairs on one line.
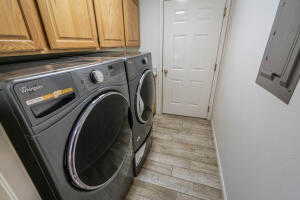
{"points": [[96, 76]]}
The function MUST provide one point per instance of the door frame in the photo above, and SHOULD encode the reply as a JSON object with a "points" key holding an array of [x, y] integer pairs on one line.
{"points": [[160, 74]]}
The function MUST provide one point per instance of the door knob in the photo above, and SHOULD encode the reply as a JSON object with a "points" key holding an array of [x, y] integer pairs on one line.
{"points": [[166, 71]]}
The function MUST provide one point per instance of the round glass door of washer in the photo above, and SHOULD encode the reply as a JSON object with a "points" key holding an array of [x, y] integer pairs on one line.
{"points": [[145, 97], [99, 142]]}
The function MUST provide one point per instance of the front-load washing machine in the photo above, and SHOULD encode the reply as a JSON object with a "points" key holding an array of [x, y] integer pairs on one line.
{"points": [[143, 99], [69, 121], [142, 93]]}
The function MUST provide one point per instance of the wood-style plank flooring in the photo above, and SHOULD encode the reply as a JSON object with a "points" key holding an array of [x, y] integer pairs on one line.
{"points": [[182, 164]]}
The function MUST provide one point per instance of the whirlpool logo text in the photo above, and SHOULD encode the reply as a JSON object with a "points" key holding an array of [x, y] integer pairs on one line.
{"points": [[31, 89]]}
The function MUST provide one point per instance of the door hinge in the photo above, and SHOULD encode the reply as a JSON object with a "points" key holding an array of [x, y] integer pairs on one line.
{"points": [[215, 67], [225, 12], [208, 109]]}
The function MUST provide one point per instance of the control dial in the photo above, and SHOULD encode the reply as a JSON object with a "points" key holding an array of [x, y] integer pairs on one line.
{"points": [[145, 61], [97, 76]]}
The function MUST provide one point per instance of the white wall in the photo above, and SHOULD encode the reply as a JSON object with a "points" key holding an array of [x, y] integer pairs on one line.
{"points": [[151, 37], [150, 27], [15, 183], [258, 136]]}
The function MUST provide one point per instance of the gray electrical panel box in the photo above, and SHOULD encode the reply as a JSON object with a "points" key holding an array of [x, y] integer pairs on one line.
{"points": [[280, 68]]}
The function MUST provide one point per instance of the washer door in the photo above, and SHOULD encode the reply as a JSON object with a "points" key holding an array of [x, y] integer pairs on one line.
{"points": [[99, 142], [145, 97]]}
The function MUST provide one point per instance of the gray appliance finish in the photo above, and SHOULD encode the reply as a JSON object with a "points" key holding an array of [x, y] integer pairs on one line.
{"points": [[143, 99], [142, 93], [69, 121], [280, 68]]}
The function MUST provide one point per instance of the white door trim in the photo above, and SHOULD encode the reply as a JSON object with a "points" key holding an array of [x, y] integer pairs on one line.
{"points": [[223, 35], [218, 61]]}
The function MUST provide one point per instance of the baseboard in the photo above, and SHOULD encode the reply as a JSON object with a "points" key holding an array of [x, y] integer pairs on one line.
{"points": [[219, 161]]}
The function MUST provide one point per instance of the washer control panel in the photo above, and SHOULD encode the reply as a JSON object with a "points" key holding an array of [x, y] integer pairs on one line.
{"points": [[102, 75], [43, 97]]}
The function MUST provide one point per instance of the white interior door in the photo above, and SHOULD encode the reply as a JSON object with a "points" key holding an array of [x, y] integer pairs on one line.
{"points": [[191, 37]]}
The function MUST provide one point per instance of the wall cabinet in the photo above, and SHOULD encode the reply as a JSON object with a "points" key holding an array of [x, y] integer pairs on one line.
{"points": [[131, 21], [69, 24], [20, 30], [109, 15], [52, 26]]}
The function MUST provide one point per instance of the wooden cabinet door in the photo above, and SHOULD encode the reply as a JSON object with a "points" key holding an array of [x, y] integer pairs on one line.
{"points": [[69, 24], [109, 15], [20, 30], [131, 20]]}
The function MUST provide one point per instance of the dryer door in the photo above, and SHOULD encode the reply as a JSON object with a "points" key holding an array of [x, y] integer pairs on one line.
{"points": [[100, 142], [145, 97]]}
